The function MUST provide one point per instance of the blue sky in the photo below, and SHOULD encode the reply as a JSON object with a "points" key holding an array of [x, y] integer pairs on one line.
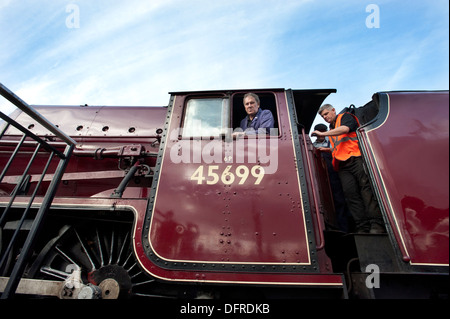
{"points": [[134, 52]]}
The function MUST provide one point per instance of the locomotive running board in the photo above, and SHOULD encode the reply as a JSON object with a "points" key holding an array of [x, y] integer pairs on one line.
{"points": [[35, 287], [68, 289]]}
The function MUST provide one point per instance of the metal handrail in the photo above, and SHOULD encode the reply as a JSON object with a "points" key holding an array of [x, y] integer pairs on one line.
{"points": [[64, 157], [315, 196], [27, 133]]}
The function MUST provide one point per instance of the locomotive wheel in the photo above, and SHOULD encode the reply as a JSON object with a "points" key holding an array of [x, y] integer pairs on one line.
{"points": [[103, 255]]}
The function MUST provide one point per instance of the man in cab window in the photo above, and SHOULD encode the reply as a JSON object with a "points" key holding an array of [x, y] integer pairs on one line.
{"points": [[257, 121]]}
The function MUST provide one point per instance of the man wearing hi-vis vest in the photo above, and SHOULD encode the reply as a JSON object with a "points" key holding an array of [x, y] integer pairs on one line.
{"points": [[347, 161]]}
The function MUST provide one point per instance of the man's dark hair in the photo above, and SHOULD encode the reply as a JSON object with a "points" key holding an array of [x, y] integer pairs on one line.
{"points": [[320, 128]]}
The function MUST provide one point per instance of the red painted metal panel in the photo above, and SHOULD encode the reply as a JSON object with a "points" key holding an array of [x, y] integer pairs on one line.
{"points": [[411, 153], [239, 276], [94, 128], [234, 223], [100, 121]]}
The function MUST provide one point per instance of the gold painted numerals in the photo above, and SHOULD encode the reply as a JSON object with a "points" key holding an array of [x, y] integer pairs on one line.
{"points": [[212, 174]]}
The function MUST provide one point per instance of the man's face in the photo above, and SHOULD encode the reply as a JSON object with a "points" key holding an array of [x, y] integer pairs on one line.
{"points": [[251, 107], [329, 115]]}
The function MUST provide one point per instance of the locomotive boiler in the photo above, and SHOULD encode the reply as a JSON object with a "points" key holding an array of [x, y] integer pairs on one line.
{"points": [[166, 201]]}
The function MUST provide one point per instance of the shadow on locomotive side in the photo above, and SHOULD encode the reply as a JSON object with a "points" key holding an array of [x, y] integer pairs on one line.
{"points": [[120, 202]]}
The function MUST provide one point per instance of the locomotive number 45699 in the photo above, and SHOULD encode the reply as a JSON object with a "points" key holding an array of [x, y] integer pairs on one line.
{"points": [[229, 175]]}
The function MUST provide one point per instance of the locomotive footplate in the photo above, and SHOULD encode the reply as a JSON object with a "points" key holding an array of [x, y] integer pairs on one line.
{"points": [[69, 289]]}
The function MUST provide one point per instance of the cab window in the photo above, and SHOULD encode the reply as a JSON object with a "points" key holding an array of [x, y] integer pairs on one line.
{"points": [[267, 102], [206, 117]]}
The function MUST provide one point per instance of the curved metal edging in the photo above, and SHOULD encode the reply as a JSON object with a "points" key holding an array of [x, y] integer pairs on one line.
{"points": [[22, 105]]}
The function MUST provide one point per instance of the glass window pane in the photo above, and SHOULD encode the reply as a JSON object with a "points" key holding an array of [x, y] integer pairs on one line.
{"points": [[206, 117]]}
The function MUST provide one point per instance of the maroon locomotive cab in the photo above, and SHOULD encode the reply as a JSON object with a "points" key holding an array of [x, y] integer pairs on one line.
{"points": [[233, 209]]}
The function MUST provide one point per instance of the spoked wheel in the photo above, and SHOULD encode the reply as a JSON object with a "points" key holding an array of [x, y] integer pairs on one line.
{"points": [[98, 257]]}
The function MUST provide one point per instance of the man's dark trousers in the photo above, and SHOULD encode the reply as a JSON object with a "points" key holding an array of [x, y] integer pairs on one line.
{"points": [[358, 194]]}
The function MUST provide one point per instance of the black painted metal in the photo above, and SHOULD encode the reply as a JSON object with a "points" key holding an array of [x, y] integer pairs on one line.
{"points": [[16, 272]]}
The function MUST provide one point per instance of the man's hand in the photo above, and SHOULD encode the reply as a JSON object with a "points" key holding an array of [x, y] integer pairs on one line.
{"points": [[237, 135], [324, 149], [317, 133]]}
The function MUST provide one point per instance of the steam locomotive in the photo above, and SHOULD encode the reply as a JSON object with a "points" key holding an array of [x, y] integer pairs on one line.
{"points": [[165, 201]]}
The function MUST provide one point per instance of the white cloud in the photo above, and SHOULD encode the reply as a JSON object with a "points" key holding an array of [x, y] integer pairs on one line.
{"points": [[6, 107], [134, 52], [4, 3], [128, 54]]}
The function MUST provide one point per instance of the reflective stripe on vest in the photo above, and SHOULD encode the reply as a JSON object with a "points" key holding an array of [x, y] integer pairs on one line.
{"points": [[344, 146]]}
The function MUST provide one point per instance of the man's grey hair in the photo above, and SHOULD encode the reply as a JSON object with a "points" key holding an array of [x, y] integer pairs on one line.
{"points": [[325, 107], [253, 95]]}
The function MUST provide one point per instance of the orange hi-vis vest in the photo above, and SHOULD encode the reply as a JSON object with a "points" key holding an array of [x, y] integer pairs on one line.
{"points": [[345, 145]]}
